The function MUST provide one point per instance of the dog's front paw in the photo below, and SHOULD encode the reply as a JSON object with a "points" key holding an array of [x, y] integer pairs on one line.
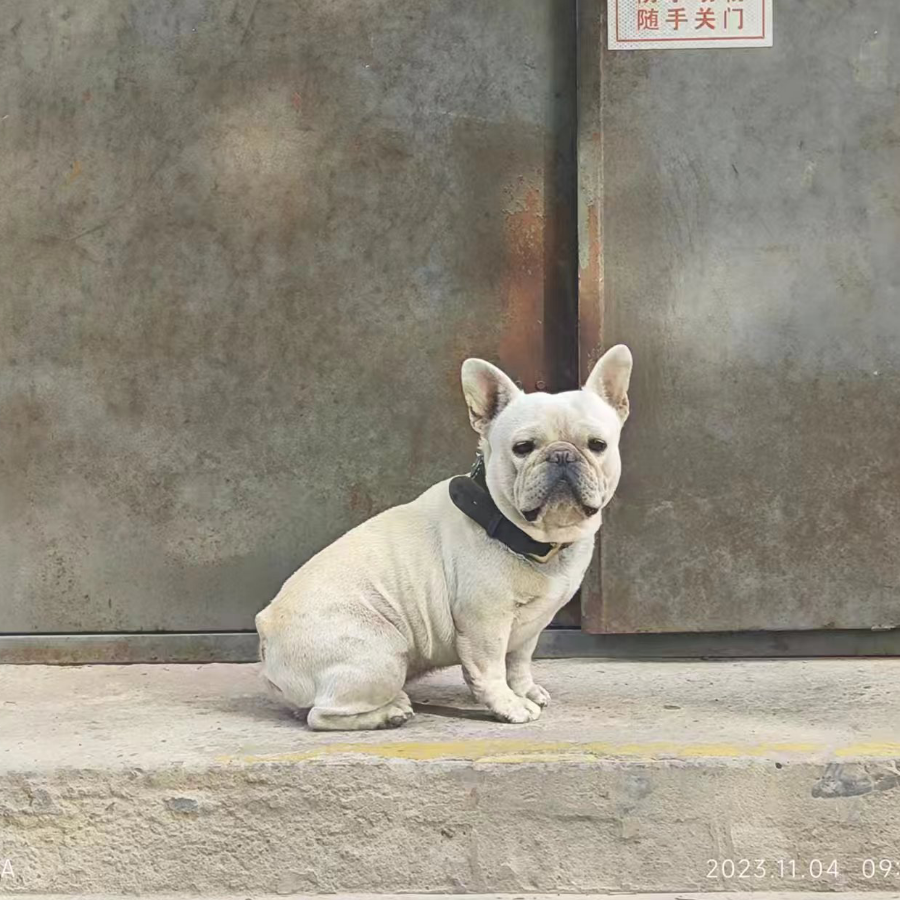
{"points": [[515, 709], [537, 694]]}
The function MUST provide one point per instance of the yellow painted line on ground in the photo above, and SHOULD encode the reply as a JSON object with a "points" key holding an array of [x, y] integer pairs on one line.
{"points": [[517, 751], [872, 750]]}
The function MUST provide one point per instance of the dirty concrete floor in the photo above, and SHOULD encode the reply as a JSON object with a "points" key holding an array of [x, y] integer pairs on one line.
{"points": [[189, 780], [145, 716], [716, 895]]}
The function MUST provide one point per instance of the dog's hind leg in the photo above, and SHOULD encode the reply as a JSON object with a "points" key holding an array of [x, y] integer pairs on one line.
{"points": [[392, 715], [360, 699]]}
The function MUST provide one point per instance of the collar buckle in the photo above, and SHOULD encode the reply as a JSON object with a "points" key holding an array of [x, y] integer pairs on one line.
{"points": [[554, 549]]}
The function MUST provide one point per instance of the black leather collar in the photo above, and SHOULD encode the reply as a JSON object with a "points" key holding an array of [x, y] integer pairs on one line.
{"points": [[470, 494]]}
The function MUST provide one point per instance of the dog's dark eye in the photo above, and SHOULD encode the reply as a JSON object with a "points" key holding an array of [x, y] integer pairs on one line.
{"points": [[595, 445], [523, 448]]}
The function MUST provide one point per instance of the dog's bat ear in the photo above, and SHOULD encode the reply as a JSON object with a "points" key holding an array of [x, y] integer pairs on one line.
{"points": [[610, 377], [487, 391]]}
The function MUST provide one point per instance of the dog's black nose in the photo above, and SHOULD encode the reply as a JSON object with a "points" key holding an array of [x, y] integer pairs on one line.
{"points": [[562, 457]]}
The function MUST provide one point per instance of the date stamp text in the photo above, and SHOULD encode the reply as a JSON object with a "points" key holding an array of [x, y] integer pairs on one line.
{"points": [[886, 870]]}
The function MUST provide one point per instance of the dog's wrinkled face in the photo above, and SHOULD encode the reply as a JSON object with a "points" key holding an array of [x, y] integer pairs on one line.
{"points": [[552, 460]]}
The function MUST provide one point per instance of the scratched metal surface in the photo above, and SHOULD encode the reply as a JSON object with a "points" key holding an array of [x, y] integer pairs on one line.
{"points": [[751, 228], [244, 248]]}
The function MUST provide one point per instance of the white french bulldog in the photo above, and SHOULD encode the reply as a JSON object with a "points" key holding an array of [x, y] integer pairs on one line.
{"points": [[426, 585]]}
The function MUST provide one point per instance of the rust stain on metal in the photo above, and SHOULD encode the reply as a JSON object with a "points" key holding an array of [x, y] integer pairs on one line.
{"points": [[590, 295], [360, 500], [522, 341]]}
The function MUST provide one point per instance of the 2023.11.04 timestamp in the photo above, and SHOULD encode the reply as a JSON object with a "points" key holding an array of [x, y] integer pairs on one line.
{"points": [[802, 870]]}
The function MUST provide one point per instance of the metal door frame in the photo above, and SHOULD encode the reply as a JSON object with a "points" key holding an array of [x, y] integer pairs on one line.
{"points": [[558, 643]]}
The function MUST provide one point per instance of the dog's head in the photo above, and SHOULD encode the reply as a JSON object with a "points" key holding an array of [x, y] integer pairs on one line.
{"points": [[552, 460]]}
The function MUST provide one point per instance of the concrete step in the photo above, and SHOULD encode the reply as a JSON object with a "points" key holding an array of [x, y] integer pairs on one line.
{"points": [[641, 776], [679, 895]]}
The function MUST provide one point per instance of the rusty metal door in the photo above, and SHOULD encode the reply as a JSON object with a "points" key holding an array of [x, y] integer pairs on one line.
{"points": [[244, 248], [742, 214]]}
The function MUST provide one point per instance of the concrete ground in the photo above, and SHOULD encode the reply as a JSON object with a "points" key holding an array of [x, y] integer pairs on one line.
{"points": [[680, 895], [641, 776]]}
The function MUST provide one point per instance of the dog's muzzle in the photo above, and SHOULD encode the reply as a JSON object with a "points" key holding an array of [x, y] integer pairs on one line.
{"points": [[561, 477]]}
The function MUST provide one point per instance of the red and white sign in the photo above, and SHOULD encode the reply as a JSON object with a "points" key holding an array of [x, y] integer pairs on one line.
{"points": [[688, 24]]}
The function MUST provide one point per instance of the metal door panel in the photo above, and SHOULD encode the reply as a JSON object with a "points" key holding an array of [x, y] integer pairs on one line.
{"points": [[244, 248], [750, 233]]}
